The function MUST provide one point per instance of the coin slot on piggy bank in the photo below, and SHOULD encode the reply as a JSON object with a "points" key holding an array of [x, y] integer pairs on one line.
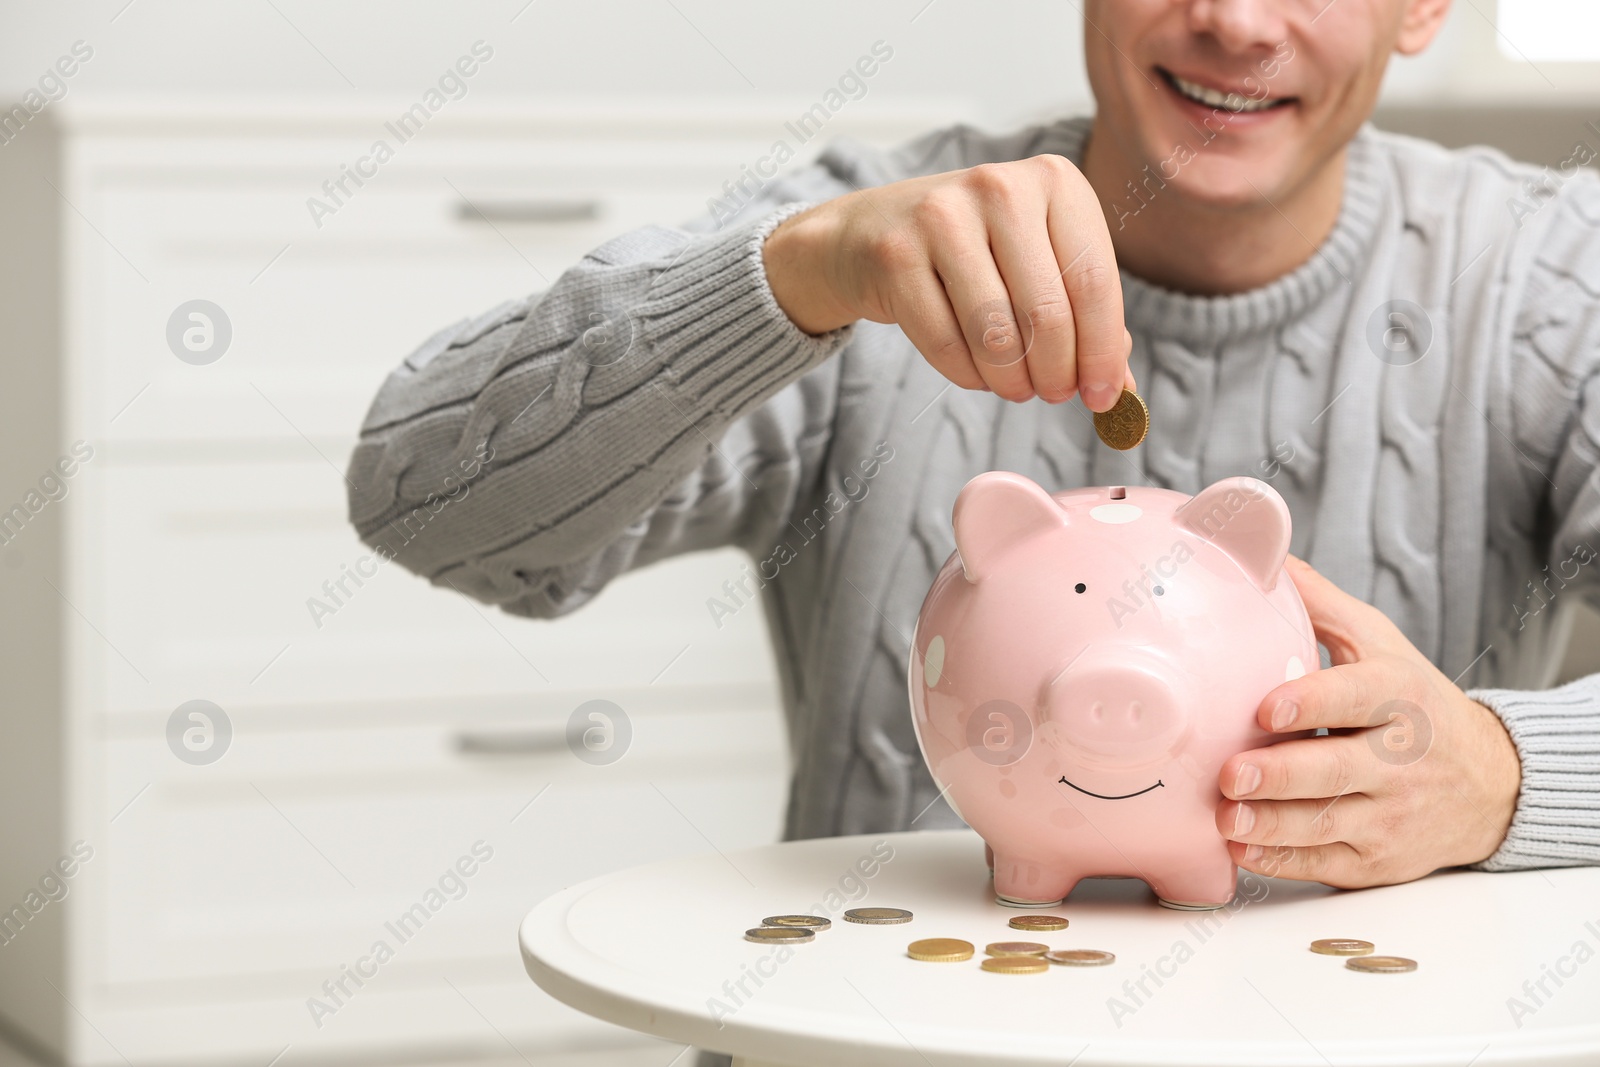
{"points": [[1129, 635]]}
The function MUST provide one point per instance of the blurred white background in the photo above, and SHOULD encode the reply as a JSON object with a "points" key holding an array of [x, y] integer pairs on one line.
{"points": [[369, 749], [1014, 59]]}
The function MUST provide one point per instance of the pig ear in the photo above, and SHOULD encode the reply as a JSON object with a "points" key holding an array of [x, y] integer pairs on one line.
{"points": [[997, 511], [1247, 519]]}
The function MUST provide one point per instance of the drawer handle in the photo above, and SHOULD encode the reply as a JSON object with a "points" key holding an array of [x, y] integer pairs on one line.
{"points": [[528, 742], [535, 211]]}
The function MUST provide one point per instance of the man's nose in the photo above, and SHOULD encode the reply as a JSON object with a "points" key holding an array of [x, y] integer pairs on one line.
{"points": [[1241, 26]]}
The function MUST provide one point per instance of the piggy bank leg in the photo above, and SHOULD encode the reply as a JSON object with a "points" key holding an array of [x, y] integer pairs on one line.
{"points": [[1030, 883], [988, 859], [1198, 886]]}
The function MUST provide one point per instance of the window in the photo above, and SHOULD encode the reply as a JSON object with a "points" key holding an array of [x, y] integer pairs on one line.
{"points": [[1549, 30]]}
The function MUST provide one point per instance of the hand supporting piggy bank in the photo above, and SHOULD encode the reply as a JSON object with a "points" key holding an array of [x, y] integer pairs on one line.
{"points": [[1085, 662]]}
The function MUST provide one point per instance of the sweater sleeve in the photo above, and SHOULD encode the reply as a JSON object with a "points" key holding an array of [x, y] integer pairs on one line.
{"points": [[1556, 407], [656, 400]]}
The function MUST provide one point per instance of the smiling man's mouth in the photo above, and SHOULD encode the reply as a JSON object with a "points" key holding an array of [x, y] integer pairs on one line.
{"points": [[1227, 101], [1103, 796]]}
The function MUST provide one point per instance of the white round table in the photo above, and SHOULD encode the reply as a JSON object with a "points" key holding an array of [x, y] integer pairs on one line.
{"points": [[660, 949]]}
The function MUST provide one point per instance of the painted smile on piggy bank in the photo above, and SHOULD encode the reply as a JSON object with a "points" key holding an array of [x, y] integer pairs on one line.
{"points": [[1082, 650], [1103, 796]]}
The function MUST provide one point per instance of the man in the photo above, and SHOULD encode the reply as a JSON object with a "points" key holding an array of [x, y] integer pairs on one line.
{"points": [[1404, 341]]}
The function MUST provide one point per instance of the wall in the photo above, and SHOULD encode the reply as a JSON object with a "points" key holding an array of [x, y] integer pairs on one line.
{"points": [[1015, 59]]}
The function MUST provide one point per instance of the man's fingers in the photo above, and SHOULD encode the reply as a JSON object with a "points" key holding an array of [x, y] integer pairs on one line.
{"points": [[1338, 864], [1088, 268], [923, 311], [1027, 264], [1301, 769], [981, 303], [1318, 821], [1342, 696]]}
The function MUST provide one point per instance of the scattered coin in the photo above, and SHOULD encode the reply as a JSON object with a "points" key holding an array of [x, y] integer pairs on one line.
{"points": [[940, 950], [1080, 957], [1038, 922], [877, 916], [1015, 965], [1381, 964], [1341, 946], [1125, 423], [801, 922], [1016, 948], [789, 935]]}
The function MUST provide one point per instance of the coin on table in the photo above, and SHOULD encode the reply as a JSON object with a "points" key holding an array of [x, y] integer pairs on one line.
{"points": [[940, 950], [1016, 948], [1341, 946], [877, 916], [1080, 957], [1124, 423], [1381, 964], [799, 922], [787, 935], [1015, 965], [1038, 922]]}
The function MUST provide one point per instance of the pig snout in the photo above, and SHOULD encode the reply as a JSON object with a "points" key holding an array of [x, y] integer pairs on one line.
{"points": [[1121, 710]]}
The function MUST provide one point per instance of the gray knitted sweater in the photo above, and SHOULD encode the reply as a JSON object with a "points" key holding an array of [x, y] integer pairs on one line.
{"points": [[656, 400]]}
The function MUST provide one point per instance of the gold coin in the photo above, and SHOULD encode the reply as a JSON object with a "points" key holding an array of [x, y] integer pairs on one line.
{"points": [[877, 916], [1016, 948], [1080, 957], [801, 922], [940, 950], [1015, 965], [1381, 964], [1038, 922], [1341, 946], [787, 934], [1125, 423]]}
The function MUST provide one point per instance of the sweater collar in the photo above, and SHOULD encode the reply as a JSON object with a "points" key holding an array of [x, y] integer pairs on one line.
{"points": [[1161, 312]]}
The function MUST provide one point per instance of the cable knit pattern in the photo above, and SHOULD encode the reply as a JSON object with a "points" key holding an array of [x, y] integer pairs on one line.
{"points": [[657, 401]]}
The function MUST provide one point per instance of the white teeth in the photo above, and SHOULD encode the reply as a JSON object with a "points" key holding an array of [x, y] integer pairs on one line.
{"points": [[1212, 98]]}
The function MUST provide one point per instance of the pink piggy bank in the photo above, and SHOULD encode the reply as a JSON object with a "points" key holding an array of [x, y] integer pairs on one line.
{"points": [[1085, 662]]}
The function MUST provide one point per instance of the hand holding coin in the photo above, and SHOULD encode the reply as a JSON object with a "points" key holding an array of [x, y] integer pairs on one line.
{"points": [[1004, 276]]}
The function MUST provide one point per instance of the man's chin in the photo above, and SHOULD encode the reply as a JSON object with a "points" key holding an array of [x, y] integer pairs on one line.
{"points": [[1229, 183]]}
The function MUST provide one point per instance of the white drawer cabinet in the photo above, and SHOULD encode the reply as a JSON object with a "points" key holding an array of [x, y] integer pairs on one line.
{"points": [[196, 541], [373, 749]]}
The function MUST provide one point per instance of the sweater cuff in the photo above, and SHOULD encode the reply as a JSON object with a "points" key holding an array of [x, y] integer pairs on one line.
{"points": [[1557, 734], [728, 343]]}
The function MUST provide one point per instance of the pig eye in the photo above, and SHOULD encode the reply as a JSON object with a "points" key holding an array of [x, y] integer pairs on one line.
{"points": [[1159, 590], [1079, 588]]}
